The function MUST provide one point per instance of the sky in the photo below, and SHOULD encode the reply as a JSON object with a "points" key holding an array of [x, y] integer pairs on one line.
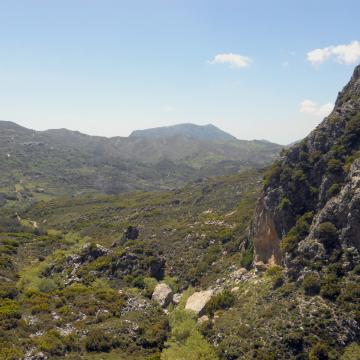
{"points": [[259, 69]]}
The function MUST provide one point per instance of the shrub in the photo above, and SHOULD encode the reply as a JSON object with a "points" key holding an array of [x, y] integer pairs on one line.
{"points": [[319, 351], [299, 176], [334, 189], [295, 341], [10, 353], [186, 342], [247, 259], [329, 288], [285, 204], [47, 285], [351, 352], [327, 234], [298, 232], [357, 269], [334, 165], [311, 284], [51, 342], [98, 341], [9, 309], [223, 300]]}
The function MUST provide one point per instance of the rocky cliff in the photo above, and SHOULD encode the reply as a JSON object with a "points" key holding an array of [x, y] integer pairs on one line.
{"points": [[309, 213]]}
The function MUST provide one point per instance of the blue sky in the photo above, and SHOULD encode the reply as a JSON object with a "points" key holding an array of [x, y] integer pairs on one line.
{"points": [[108, 67]]}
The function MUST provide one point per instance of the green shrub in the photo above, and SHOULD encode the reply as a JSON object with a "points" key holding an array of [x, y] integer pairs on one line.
{"points": [[185, 341], [52, 343], [47, 285], [295, 341], [298, 176], [334, 189], [334, 165], [10, 353], [319, 351], [351, 352], [357, 269], [327, 234], [285, 204], [98, 341], [298, 232], [330, 288], [221, 301], [247, 259], [311, 284], [9, 309]]}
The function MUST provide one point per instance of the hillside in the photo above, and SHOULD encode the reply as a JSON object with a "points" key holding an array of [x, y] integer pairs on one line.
{"points": [[58, 162]]}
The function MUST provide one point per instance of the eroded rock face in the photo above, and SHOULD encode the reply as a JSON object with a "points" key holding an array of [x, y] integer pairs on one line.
{"points": [[162, 294], [265, 237], [197, 301]]}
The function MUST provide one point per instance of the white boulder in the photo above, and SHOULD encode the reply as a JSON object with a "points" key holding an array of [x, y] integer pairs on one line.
{"points": [[197, 301], [162, 294]]}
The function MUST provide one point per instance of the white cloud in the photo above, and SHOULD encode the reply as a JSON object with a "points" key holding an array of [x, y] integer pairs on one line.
{"points": [[312, 108], [234, 60], [344, 54]]}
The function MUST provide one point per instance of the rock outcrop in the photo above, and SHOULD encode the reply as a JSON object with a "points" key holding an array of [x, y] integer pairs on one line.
{"points": [[162, 294], [198, 301], [310, 204]]}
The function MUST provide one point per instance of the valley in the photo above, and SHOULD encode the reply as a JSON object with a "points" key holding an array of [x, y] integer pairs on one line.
{"points": [[222, 249]]}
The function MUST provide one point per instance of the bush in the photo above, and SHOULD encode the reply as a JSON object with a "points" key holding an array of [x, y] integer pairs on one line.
{"points": [[311, 284], [319, 351], [51, 342], [285, 204], [247, 259], [298, 232], [98, 341], [351, 352], [357, 269], [334, 189], [334, 165], [223, 300], [327, 234], [330, 288], [47, 285], [295, 341], [186, 342], [9, 309]]}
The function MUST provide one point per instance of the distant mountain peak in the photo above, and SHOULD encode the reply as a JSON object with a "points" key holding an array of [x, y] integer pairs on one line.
{"points": [[200, 132]]}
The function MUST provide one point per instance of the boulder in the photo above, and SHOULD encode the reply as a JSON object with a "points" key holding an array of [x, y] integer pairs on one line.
{"points": [[197, 301], [162, 294], [238, 274], [176, 298], [91, 251], [203, 319], [260, 266]]}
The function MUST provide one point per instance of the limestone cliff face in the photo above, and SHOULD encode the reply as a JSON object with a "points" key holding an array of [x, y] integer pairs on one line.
{"points": [[266, 239], [310, 206]]}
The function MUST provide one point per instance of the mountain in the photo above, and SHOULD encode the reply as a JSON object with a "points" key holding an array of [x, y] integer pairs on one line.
{"points": [[316, 181], [63, 161], [206, 132], [308, 220]]}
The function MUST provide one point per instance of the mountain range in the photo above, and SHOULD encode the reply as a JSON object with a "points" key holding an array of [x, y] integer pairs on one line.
{"points": [[70, 162]]}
